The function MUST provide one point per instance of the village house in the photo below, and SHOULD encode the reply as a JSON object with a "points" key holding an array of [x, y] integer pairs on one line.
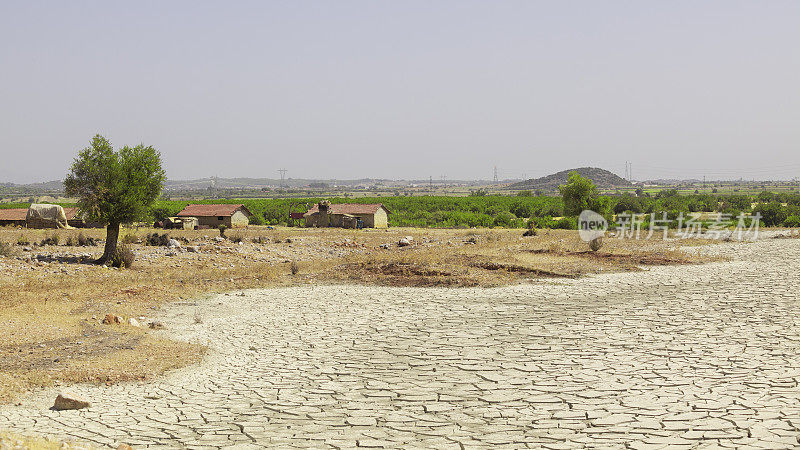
{"points": [[230, 215], [20, 217], [13, 217], [347, 215]]}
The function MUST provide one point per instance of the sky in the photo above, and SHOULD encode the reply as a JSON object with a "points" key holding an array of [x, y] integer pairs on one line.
{"points": [[405, 89]]}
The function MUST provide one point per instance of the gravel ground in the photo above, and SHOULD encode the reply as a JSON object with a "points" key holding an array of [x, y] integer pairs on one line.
{"points": [[667, 358]]}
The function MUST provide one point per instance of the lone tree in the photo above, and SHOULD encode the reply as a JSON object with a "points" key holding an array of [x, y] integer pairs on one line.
{"points": [[115, 187], [578, 194]]}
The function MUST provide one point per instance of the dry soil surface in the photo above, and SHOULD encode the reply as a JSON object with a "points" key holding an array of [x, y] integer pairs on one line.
{"points": [[674, 357]]}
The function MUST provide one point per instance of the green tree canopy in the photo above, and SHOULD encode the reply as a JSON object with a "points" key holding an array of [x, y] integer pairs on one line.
{"points": [[578, 194], [115, 187]]}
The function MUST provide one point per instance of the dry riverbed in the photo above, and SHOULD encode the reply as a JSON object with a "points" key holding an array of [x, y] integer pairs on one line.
{"points": [[52, 300]]}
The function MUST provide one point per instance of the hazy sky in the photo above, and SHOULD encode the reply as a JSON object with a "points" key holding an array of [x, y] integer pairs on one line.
{"points": [[405, 89]]}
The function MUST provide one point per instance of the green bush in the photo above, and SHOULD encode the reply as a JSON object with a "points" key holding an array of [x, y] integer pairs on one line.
{"points": [[505, 219], [566, 223], [772, 214], [792, 222]]}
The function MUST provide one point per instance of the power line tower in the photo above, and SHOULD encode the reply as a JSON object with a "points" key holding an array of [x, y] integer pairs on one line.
{"points": [[283, 175], [495, 174]]}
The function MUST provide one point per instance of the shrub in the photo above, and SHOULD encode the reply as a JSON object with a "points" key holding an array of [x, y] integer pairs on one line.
{"points": [[130, 239], [222, 229], [122, 257], [595, 244], [53, 239], [505, 219], [792, 222], [236, 238], [70, 242], [84, 241], [7, 250], [294, 268], [260, 240], [772, 214], [23, 240], [157, 240], [566, 223]]}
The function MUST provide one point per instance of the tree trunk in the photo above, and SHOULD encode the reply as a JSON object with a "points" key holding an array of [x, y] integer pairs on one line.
{"points": [[112, 236]]}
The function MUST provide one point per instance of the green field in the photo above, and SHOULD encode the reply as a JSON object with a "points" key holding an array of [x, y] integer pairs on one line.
{"points": [[515, 210]]}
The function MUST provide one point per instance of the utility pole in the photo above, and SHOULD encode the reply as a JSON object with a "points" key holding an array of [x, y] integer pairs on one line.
{"points": [[495, 174], [283, 176], [430, 183]]}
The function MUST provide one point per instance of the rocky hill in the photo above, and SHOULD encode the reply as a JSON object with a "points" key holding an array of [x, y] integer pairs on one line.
{"points": [[602, 178]]}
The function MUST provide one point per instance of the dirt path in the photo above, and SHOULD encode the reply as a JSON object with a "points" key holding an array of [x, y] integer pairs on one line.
{"points": [[675, 356]]}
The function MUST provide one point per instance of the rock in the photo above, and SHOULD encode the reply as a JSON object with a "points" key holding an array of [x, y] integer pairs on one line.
{"points": [[219, 239], [156, 325], [404, 242], [193, 249], [27, 249], [385, 246], [172, 243], [171, 254], [410, 239], [111, 319], [66, 400], [133, 322], [472, 240], [124, 447]]}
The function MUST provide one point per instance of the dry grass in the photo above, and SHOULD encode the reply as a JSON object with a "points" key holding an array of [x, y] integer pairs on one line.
{"points": [[49, 322], [15, 441], [502, 256]]}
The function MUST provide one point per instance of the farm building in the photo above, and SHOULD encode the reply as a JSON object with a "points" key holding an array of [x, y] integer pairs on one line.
{"points": [[181, 223], [41, 216], [13, 217], [232, 216], [347, 215]]}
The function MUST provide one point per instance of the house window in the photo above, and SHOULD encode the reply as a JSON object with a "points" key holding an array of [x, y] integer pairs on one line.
{"points": [[219, 217]]}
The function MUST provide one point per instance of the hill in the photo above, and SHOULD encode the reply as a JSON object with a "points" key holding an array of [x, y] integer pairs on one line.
{"points": [[601, 177]]}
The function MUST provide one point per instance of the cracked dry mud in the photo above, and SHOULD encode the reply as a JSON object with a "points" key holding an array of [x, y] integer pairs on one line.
{"points": [[686, 356]]}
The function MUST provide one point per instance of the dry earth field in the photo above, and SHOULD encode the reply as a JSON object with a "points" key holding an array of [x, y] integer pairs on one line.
{"points": [[52, 299], [52, 303]]}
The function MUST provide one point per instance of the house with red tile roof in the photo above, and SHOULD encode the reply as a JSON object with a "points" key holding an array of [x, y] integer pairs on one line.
{"points": [[13, 216], [347, 215], [230, 215]]}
